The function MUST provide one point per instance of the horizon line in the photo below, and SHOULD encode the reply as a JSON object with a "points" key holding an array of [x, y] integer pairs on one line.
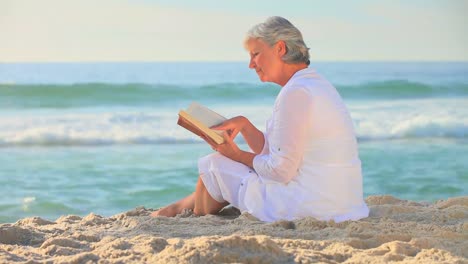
{"points": [[226, 61]]}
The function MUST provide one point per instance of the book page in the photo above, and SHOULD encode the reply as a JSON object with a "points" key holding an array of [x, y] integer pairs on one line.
{"points": [[205, 115]]}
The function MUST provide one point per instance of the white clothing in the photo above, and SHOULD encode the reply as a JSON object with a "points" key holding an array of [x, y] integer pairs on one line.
{"points": [[309, 165]]}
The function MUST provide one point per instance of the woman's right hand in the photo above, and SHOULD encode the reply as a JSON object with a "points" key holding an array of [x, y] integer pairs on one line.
{"points": [[232, 126], [251, 134]]}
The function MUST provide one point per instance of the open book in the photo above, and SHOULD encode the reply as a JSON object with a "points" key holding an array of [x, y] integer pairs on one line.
{"points": [[198, 119]]}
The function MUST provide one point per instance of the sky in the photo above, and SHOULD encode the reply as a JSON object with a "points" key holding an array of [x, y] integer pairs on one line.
{"points": [[214, 30]]}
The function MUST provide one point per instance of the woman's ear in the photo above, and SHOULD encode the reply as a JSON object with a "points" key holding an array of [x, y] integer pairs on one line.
{"points": [[281, 48]]}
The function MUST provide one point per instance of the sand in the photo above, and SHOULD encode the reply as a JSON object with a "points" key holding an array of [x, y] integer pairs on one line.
{"points": [[397, 230]]}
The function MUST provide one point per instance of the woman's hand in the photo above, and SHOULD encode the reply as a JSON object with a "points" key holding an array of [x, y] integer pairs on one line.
{"points": [[232, 126], [251, 134], [229, 148]]}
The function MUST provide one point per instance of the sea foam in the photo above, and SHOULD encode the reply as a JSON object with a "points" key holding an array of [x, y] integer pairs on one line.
{"points": [[373, 120]]}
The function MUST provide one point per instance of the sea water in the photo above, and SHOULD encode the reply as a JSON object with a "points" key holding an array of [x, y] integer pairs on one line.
{"points": [[77, 138]]}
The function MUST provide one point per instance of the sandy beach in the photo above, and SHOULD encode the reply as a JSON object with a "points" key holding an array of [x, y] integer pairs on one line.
{"points": [[397, 230]]}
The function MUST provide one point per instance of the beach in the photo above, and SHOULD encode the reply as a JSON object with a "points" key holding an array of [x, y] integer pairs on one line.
{"points": [[397, 230], [86, 147], [91, 146]]}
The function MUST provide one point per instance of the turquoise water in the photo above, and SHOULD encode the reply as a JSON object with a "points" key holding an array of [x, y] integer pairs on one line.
{"points": [[156, 95], [421, 170], [80, 138], [52, 181]]}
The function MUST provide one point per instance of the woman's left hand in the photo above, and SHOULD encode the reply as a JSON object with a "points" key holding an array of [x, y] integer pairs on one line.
{"points": [[229, 148]]}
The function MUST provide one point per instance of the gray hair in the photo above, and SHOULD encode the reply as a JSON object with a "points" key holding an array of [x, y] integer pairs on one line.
{"points": [[277, 28]]}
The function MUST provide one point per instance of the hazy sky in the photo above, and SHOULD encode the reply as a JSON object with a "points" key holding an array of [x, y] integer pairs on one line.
{"points": [[202, 30]]}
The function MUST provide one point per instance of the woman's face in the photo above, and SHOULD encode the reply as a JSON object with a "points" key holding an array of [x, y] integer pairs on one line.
{"points": [[264, 60]]}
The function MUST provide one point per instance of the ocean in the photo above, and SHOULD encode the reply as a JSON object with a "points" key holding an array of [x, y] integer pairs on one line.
{"points": [[77, 138]]}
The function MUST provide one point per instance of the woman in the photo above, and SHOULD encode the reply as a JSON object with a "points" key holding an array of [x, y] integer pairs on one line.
{"points": [[305, 164]]}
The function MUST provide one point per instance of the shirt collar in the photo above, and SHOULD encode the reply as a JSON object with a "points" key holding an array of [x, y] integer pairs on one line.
{"points": [[302, 73]]}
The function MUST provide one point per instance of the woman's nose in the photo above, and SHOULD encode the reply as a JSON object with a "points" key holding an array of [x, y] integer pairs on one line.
{"points": [[252, 64]]}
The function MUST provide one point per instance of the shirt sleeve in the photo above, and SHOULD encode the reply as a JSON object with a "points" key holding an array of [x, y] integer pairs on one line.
{"points": [[288, 137], [266, 146]]}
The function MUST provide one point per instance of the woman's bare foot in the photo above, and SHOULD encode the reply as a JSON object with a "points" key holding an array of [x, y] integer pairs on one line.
{"points": [[168, 211], [177, 207]]}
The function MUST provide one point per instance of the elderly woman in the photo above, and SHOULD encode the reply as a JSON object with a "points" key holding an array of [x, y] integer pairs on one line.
{"points": [[306, 163]]}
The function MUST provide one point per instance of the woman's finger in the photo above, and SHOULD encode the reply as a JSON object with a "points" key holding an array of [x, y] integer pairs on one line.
{"points": [[227, 137], [209, 141]]}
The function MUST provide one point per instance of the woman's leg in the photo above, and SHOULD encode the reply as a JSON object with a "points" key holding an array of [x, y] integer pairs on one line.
{"points": [[204, 203], [200, 202], [177, 207]]}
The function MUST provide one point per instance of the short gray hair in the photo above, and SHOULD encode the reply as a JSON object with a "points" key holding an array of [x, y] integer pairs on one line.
{"points": [[277, 28]]}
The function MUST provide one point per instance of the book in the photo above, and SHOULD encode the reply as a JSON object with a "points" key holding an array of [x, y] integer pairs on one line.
{"points": [[198, 119]]}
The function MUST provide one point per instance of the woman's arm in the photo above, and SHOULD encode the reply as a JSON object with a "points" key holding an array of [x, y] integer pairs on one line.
{"points": [[253, 136], [229, 148], [288, 136]]}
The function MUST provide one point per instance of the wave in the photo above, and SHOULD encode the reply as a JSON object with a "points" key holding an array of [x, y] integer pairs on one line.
{"points": [[153, 128], [402, 89], [54, 139], [133, 94], [414, 128], [137, 94]]}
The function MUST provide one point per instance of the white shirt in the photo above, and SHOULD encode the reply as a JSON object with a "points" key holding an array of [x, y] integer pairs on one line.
{"points": [[309, 165]]}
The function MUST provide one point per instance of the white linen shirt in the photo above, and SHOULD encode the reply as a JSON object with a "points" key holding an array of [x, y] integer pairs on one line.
{"points": [[309, 165]]}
